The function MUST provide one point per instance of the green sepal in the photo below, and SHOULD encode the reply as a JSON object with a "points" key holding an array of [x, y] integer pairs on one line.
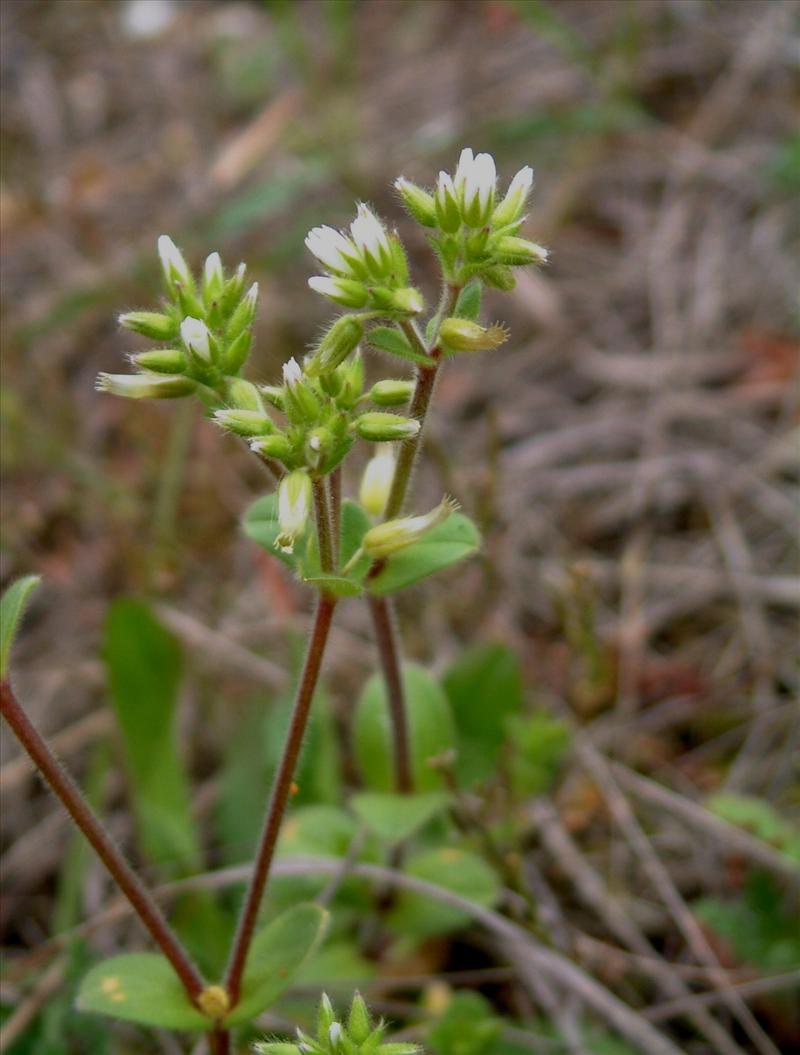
{"points": [[447, 543], [468, 305]]}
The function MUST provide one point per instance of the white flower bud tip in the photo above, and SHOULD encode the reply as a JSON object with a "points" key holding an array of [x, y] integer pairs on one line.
{"points": [[195, 336], [212, 269], [369, 233], [335, 1033], [376, 483], [172, 259], [251, 296], [292, 373]]}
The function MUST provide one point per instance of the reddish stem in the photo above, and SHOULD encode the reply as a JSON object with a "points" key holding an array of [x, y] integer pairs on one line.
{"points": [[67, 791], [389, 653]]}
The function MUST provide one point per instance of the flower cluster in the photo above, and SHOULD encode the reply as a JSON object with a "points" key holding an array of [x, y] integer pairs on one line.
{"points": [[477, 235], [205, 327], [357, 1036], [367, 269]]}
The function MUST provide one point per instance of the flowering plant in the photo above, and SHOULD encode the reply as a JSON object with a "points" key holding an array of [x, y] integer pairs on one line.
{"points": [[302, 427]]}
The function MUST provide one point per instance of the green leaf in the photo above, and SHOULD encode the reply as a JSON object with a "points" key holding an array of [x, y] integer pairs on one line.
{"points": [[467, 1027], [385, 339], [454, 869], [277, 954], [393, 817], [144, 666], [484, 687], [430, 726], [539, 742], [12, 608], [443, 545], [140, 987], [261, 525], [355, 524], [468, 305]]}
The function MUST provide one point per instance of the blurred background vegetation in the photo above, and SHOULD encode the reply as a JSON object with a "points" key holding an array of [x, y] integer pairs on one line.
{"points": [[631, 455]]}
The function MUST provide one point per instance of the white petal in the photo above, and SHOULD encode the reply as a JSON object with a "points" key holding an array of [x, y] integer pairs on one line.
{"points": [[292, 374], [194, 333], [465, 163], [212, 269]]}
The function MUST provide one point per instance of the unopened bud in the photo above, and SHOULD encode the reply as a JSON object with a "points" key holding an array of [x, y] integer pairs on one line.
{"points": [[393, 535], [161, 360], [462, 335], [246, 423], [244, 314], [376, 483], [145, 386], [235, 355], [213, 278], [232, 290], [358, 1021], [448, 213], [340, 340], [214, 1001], [244, 395], [151, 324], [278, 447], [378, 427], [300, 402], [417, 201], [326, 1016], [391, 393], [318, 445], [176, 270], [511, 207], [408, 301], [345, 291], [518, 252], [196, 337], [499, 277], [351, 374], [273, 394], [294, 506]]}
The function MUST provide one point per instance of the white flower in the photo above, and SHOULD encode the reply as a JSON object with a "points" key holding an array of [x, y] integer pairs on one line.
{"points": [[369, 233], [145, 386], [294, 506], [376, 483], [465, 163], [331, 248], [292, 373], [195, 336], [212, 270], [479, 185], [328, 287], [175, 267]]}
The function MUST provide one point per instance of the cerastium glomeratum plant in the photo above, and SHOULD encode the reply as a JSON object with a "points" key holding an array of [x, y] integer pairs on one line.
{"points": [[302, 426]]}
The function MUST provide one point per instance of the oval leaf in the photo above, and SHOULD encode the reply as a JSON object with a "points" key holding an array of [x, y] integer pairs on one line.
{"points": [[12, 608], [443, 545], [394, 817], [430, 725], [278, 952], [140, 987]]}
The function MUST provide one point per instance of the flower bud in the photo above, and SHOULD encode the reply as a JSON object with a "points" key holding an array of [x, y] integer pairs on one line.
{"points": [[276, 446], [476, 187], [319, 444], [379, 427], [244, 314], [294, 506], [176, 270], [417, 201], [448, 213], [351, 374], [326, 1016], [151, 324], [334, 250], [358, 1021], [161, 360], [273, 394], [462, 335], [232, 290], [244, 395], [235, 355], [244, 422], [376, 483], [372, 241], [300, 403], [213, 279], [196, 337], [407, 301], [345, 291], [511, 207], [145, 386], [341, 339], [499, 277], [391, 393], [393, 535], [518, 252]]}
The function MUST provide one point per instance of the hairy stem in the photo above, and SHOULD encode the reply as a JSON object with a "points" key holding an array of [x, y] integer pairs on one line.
{"points": [[281, 789], [389, 654], [324, 526], [67, 791], [335, 498]]}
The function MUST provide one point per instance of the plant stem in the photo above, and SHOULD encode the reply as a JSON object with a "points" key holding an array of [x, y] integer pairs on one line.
{"points": [[281, 790], [324, 528], [67, 791], [389, 653], [335, 496], [219, 1042]]}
